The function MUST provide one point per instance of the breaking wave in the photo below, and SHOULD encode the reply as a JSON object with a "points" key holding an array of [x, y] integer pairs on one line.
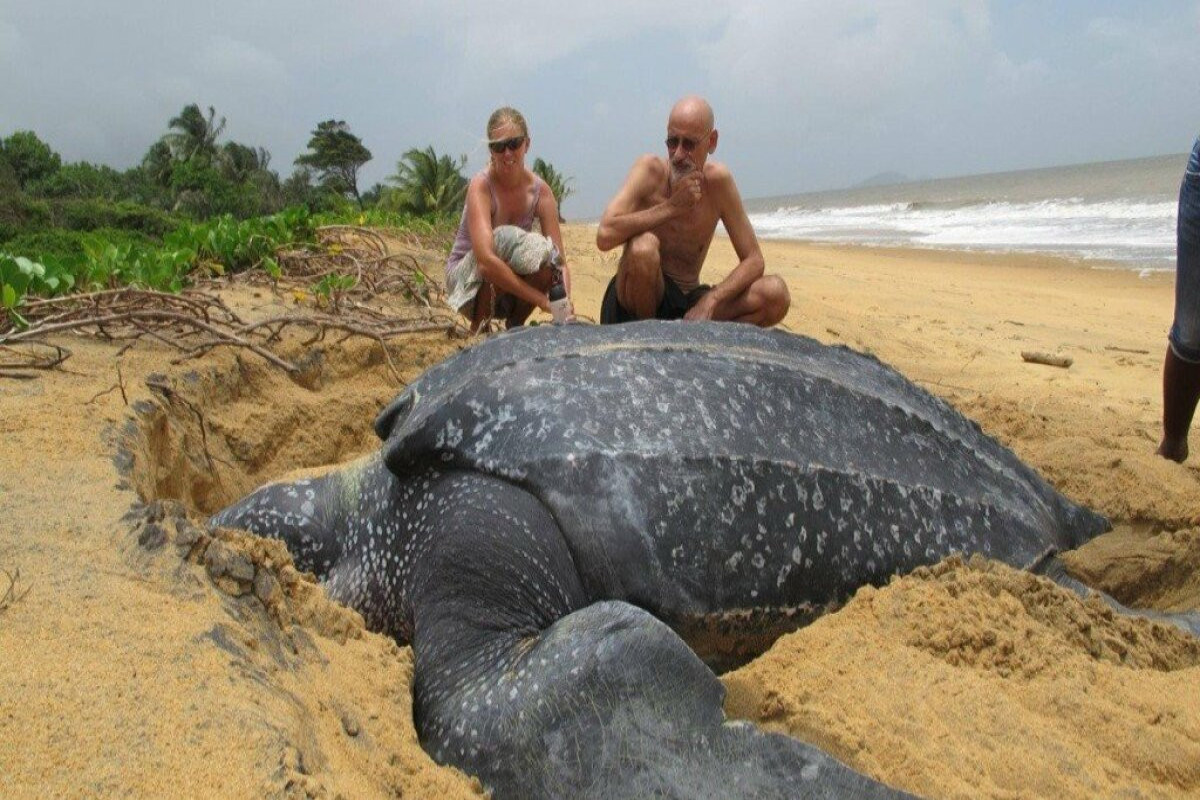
{"points": [[1136, 234]]}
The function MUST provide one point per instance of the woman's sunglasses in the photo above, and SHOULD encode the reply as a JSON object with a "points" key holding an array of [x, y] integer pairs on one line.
{"points": [[506, 144]]}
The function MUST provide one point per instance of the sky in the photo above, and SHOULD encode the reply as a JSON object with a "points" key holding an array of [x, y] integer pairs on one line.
{"points": [[807, 95]]}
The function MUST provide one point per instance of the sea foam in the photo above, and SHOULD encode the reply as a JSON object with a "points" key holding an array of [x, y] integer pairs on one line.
{"points": [[1135, 234], [1115, 211]]}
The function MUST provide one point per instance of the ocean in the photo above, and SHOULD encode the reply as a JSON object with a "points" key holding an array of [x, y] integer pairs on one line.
{"points": [[1114, 213]]}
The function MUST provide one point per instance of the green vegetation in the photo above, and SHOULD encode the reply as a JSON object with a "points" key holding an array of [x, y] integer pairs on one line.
{"points": [[20, 276], [88, 214], [192, 135], [65, 245], [197, 205], [104, 259], [83, 180], [336, 154], [426, 184], [28, 157], [20, 214], [558, 183]]}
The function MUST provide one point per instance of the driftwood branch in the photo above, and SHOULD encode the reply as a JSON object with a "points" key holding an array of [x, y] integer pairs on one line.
{"points": [[368, 276], [1047, 359], [32, 355]]}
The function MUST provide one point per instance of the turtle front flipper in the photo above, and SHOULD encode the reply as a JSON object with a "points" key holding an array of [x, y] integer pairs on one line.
{"points": [[541, 694], [300, 513], [321, 519]]}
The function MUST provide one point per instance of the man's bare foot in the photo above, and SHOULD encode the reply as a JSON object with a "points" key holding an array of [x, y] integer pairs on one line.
{"points": [[1175, 451]]}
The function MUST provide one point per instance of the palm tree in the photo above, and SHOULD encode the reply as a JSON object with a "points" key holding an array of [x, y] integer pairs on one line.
{"points": [[428, 184], [558, 183], [239, 162], [158, 163], [194, 135]]}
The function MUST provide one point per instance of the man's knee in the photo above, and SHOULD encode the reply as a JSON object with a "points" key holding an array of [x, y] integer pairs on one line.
{"points": [[776, 299], [641, 258], [778, 293], [639, 276]]}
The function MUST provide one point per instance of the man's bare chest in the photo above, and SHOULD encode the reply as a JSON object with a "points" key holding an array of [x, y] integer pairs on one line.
{"points": [[690, 232]]}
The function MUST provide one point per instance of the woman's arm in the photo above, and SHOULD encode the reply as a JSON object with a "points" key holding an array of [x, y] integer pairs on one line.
{"points": [[492, 268], [547, 214]]}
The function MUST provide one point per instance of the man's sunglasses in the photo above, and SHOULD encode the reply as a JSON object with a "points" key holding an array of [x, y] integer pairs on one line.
{"points": [[687, 144], [510, 145]]}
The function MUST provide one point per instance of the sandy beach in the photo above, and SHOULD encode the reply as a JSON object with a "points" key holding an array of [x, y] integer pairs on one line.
{"points": [[141, 656]]}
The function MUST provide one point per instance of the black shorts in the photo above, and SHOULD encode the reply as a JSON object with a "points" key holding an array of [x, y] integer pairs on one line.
{"points": [[674, 304]]}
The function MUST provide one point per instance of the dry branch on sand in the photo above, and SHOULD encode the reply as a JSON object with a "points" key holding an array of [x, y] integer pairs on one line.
{"points": [[34, 356], [344, 281], [11, 594]]}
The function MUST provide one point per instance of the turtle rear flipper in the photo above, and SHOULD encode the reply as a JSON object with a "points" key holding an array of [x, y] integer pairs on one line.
{"points": [[625, 709], [520, 682], [1054, 569]]}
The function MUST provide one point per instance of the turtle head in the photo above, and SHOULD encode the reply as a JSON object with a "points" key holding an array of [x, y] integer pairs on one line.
{"points": [[394, 414]]}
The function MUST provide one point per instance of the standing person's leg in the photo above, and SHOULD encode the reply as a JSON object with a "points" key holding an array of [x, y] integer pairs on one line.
{"points": [[1181, 369], [1181, 390]]}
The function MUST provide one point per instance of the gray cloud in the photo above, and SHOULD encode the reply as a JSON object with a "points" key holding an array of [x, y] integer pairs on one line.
{"points": [[808, 94]]}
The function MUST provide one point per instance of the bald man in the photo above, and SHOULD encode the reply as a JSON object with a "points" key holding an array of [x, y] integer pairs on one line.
{"points": [[665, 216]]}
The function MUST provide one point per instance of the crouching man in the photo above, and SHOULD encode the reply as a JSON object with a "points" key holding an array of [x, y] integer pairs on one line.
{"points": [[665, 215]]}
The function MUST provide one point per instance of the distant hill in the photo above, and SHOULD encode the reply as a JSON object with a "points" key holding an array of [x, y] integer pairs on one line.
{"points": [[882, 179]]}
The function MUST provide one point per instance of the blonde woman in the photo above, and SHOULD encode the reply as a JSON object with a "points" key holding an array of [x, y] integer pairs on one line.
{"points": [[498, 267]]}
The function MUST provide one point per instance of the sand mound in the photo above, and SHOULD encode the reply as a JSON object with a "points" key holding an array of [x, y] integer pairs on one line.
{"points": [[333, 701], [998, 684], [342, 696], [1093, 456], [1160, 571]]}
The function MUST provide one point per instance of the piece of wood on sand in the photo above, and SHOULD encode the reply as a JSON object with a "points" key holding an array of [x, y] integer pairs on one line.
{"points": [[1047, 359]]}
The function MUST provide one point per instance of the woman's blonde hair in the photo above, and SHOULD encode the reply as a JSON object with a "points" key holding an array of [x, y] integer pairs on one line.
{"points": [[506, 114]]}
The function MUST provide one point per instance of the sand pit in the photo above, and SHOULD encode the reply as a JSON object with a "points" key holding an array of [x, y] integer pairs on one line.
{"points": [[150, 657], [148, 654]]}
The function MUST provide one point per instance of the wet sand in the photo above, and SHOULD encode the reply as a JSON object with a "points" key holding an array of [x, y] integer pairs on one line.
{"points": [[148, 659]]}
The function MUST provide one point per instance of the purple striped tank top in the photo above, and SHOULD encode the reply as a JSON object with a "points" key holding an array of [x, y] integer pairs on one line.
{"points": [[462, 239]]}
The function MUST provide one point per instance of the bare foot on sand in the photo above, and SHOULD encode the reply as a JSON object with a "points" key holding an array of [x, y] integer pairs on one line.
{"points": [[1176, 451]]}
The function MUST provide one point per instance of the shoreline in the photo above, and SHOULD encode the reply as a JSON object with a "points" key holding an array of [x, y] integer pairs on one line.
{"points": [[1048, 258], [789, 253]]}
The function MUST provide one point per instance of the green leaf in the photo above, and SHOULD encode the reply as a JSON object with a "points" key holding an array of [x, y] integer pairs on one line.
{"points": [[32, 269], [8, 296]]}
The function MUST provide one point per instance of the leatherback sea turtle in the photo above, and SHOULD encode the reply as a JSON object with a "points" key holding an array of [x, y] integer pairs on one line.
{"points": [[567, 523]]}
